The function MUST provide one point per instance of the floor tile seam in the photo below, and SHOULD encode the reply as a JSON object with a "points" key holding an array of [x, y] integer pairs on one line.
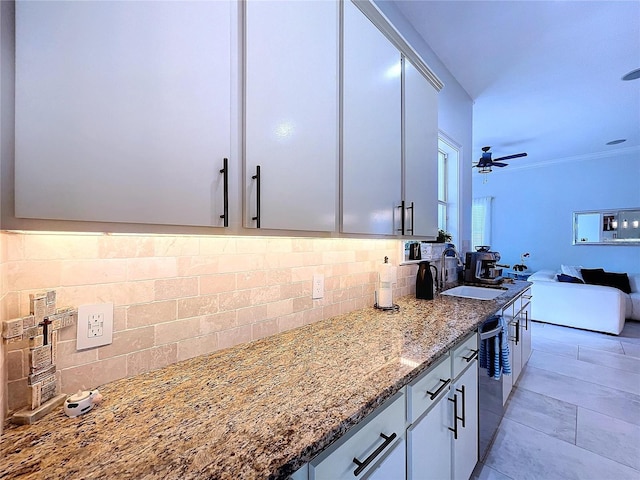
{"points": [[606, 458], [621, 355], [605, 415], [611, 366], [573, 444], [540, 431], [555, 353], [492, 467], [585, 381]]}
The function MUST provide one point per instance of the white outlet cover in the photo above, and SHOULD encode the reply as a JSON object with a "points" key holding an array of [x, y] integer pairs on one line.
{"points": [[95, 325], [317, 288]]}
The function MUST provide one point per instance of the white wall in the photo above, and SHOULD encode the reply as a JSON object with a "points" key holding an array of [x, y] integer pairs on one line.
{"points": [[454, 112], [533, 207]]}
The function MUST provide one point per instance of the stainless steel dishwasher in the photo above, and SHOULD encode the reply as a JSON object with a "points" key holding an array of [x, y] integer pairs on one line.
{"points": [[490, 389]]}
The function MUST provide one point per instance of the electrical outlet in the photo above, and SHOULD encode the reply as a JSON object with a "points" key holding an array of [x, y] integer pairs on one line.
{"points": [[317, 290], [95, 325]]}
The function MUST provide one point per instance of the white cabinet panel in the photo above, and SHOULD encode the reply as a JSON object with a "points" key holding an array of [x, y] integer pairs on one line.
{"points": [[420, 152], [291, 113], [525, 326], [429, 443], [371, 154], [424, 391], [465, 447], [337, 462], [122, 110], [393, 467]]}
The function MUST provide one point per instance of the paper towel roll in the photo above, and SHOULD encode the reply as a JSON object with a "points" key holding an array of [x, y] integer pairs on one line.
{"points": [[385, 298], [387, 273]]}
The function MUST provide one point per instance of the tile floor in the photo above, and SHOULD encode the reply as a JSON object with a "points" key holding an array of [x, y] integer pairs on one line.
{"points": [[575, 411]]}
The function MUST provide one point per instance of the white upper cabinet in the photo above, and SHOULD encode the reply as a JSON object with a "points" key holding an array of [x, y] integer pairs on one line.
{"points": [[291, 115], [122, 110], [420, 153], [371, 142]]}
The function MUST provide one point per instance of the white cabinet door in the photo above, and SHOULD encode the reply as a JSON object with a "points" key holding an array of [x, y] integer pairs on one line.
{"points": [[525, 326], [420, 153], [515, 348], [465, 447], [429, 443], [371, 143], [393, 467], [122, 110], [291, 114]]}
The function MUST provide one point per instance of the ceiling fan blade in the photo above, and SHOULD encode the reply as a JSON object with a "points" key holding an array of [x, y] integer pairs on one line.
{"points": [[508, 157], [495, 164]]}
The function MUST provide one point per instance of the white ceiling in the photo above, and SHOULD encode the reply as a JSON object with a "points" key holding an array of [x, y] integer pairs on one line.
{"points": [[545, 76]]}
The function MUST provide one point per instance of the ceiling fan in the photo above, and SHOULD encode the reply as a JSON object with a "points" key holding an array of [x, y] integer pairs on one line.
{"points": [[485, 163]]}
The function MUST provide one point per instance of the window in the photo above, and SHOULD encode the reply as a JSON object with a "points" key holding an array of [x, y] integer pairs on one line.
{"points": [[442, 190], [448, 191], [481, 221]]}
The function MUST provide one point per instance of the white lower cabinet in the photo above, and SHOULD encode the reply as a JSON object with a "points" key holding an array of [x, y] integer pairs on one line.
{"points": [[375, 443], [525, 325], [393, 466], [429, 443], [427, 431], [465, 446], [443, 444]]}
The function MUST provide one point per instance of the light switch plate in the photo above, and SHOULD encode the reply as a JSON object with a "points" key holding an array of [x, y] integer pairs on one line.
{"points": [[95, 325]]}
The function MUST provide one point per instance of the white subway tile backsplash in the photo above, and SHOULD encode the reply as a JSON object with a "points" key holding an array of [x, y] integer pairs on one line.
{"points": [[177, 297]]}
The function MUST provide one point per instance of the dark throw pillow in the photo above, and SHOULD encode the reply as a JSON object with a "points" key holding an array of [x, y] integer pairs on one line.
{"points": [[568, 278], [617, 280], [593, 276]]}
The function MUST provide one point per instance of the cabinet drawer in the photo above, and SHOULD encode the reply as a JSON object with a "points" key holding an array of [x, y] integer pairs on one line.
{"points": [[337, 462], [464, 354], [425, 391]]}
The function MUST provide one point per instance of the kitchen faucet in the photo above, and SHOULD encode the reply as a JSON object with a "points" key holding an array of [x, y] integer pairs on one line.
{"points": [[443, 266]]}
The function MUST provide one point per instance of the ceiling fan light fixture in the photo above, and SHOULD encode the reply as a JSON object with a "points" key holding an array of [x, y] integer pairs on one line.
{"points": [[616, 142], [632, 75]]}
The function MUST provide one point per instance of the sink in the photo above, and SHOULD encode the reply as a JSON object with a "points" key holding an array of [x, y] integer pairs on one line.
{"points": [[478, 293]]}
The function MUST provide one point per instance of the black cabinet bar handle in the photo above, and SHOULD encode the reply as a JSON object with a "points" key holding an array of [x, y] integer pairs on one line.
{"points": [[517, 331], [474, 354], [256, 177], [225, 190], [410, 230], [437, 392], [401, 207], [455, 416], [362, 465], [526, 320], [464, 414]]}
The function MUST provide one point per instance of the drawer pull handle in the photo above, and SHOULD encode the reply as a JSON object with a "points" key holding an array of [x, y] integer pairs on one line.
{"points": [[256, 177], [374, 454], [411, 229], [401, 207], [464, 408], [225, 192], [437, 392], [474, 354], [454, 429]]}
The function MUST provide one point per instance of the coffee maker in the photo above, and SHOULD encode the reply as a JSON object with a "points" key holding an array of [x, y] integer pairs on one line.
{"points": [[481, 267]]}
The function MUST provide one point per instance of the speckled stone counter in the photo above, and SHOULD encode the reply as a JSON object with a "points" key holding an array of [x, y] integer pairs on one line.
{"points": [[258, 410]]}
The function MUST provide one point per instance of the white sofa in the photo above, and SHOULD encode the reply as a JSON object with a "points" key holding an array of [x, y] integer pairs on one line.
{"points": [[590, 307]]}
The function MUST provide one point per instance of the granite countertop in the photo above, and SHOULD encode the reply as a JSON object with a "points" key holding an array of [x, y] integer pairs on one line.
{"points": [[258, 410]]}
